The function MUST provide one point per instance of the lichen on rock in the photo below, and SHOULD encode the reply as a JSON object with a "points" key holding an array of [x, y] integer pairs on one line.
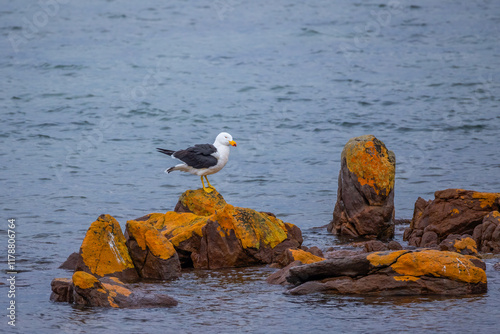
{"points": [[104, 253], [365, 196]]}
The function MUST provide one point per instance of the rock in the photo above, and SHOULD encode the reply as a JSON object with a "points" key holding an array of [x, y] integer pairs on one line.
{"points": [[104, 253], [71, 262], [487, 234], [394, 245], [279, 277], [153, 255], [62, 290], [341, 253], [375, 246], [453, 211], [292, 255], [315, 251], [201, 204], [209, 233], [365, 196], [461, 244], [401, 272], [496, 266], [87, 290]]}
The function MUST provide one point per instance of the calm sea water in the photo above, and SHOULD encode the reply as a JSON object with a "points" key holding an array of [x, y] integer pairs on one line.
{"points": [[90, 89]]}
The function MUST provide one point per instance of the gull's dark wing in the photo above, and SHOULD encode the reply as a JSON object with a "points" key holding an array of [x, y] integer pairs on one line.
{"points": [[198, 156]]}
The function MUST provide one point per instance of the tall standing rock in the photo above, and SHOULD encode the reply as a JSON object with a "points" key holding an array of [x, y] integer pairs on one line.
{"points": [[365, 196], [104, 253]]}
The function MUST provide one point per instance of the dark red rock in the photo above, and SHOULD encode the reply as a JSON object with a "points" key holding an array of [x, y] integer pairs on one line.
{"points": [[453, 211], [279, 277], [487, 234], [375, 246], [71, 262], [394, 245], [62, 290]]}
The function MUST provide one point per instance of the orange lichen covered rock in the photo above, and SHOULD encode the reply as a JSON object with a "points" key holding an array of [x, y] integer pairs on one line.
{"points": [[365, 196], [461, 244], [435, 263], [200, 202], [88, 290], [401, 272], [153, 255], [103, 251], [291, 255], [214, 234], [453, 211]]}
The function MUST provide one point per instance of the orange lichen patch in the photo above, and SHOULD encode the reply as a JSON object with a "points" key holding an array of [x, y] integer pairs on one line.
{"points": [[385, 259], [84, 280], [455, 212], [305, 257], [486, 199], [103, 250], [116, 279], [369, 160], [465, 243], [177, 227], [439, 264], [114, 290], [148, 237], [202, 203], [158, 245], [252, 228], [111, 302], [406, 278], [182, 226]]}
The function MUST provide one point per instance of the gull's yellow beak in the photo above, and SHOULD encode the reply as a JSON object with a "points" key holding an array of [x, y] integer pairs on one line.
{"points": [[232, 142]]}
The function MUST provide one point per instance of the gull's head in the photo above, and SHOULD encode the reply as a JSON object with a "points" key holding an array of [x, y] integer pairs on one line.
{"points": [[226, 139]]}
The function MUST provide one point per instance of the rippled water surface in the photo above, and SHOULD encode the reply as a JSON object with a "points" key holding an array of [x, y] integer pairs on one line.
{"points": [[90, 89]]}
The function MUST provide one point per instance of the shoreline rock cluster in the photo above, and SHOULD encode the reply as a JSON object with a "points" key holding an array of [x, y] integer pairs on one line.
{"points": [[445, 237], [202, 232]]}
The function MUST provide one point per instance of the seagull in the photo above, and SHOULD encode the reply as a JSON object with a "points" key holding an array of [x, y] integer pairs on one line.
{"points": [[203, 159]]}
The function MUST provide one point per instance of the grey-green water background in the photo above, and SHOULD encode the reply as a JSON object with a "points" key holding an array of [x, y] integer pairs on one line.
{"points": [[89, 89]]}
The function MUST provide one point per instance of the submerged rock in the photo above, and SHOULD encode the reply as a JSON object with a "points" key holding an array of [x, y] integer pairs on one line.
{"points": [[88, 290], [453, 211], [365, 196], [209, 233], [104, 253], [400, 272]]}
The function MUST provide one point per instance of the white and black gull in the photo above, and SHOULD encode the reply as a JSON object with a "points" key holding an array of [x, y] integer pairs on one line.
{"points": [[203, 159]]}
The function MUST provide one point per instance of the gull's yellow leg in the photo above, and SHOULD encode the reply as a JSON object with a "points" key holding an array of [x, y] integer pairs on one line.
{"points": [[207, 190], [209, 185]]}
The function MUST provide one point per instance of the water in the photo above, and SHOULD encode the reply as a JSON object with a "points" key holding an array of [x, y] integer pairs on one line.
{"points": [[90, 89]]}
